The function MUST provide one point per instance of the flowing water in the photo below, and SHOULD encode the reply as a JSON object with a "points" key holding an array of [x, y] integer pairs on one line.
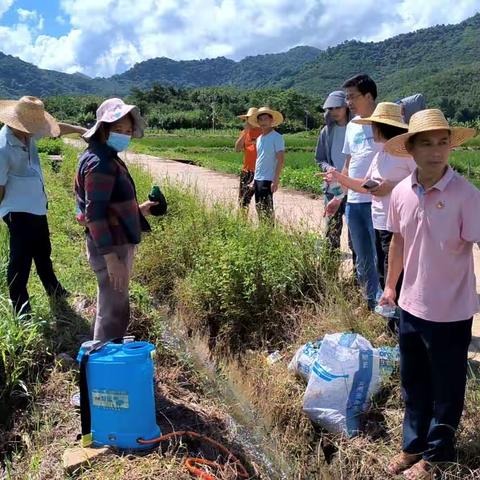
{"points": [[251, 431]]}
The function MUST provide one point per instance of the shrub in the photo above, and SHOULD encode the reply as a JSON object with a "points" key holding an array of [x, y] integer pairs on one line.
{"points": [[232, 279], [21, 349], [50, 146]]}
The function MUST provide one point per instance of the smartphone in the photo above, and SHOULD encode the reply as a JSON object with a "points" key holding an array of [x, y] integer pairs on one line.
{"points": [[369, 184]]}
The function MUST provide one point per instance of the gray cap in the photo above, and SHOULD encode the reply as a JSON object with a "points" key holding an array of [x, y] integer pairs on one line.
{"points": [[335, 99]]}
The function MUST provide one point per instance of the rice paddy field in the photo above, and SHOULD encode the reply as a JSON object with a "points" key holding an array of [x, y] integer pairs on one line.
{"points": [[215, 150]]}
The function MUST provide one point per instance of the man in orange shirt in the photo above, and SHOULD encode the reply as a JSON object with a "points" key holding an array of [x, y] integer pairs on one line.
{"points": [[246, 142]]}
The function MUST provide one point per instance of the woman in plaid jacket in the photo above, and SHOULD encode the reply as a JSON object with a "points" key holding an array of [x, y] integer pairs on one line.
{"points": [[107, 206]]}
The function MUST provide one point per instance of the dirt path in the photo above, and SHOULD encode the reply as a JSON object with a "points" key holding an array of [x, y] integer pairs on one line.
{"points": [[291, 207]]}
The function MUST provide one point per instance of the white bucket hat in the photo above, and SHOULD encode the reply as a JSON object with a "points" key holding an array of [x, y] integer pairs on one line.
{"points": [[114, 109], [28, 115]]}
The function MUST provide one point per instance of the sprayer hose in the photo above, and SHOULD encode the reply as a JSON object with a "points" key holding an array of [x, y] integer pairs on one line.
{"points": [[191, 462]]}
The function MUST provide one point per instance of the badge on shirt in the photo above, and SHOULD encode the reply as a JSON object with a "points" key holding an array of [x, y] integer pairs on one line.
{"points": [[440, 204]]}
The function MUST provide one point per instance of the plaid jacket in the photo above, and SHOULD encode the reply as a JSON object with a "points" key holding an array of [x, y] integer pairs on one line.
{"points": [[107, 200]]}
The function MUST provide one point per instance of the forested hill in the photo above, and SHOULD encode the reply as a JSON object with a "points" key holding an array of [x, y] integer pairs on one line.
{"points": [[21, 78], [443, 62], [251, 72]]}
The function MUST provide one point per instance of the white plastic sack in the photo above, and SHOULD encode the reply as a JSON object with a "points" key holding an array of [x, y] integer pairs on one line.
{"points": [[304, 358], [345, 375]]}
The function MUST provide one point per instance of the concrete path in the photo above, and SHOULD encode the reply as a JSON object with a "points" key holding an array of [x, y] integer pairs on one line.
{"points": [[291, 207]]}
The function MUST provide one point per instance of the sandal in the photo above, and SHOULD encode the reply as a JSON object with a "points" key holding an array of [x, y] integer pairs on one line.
{"points": [[421, 470], [402, 461]]}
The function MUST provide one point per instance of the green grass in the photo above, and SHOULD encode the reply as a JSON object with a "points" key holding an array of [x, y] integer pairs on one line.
{"points": [[467, 163], [27, 345], [50, 146], [240, 279], [35, 432], [249, 289]]}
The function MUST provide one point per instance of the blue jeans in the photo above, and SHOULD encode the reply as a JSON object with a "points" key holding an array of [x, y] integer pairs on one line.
{"points": [[360, 226]]}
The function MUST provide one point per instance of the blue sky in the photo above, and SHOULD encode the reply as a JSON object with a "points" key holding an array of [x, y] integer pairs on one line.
{"points": [[104, 37], [54, 22]]}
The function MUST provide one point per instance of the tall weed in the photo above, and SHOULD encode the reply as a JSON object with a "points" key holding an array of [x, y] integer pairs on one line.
{"points": [[231, 278], [22, 347]]}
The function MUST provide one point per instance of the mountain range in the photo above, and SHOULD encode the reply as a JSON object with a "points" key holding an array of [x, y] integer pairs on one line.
{"points": [[442, 61]]}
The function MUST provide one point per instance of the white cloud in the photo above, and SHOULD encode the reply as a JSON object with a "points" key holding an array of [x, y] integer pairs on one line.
{"points": [[26, 15], [109, 36], [5, 5], [32, 17]]}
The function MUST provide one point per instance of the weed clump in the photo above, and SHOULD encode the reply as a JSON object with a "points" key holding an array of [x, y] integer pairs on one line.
{"points": [[229, 278]]}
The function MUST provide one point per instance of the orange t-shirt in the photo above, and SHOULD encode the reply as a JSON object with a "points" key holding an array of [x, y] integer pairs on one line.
{"points": [[250, 149]]}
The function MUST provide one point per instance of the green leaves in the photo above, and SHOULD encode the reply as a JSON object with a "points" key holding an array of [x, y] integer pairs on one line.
{"points": [[228, 277], [21, 343]]}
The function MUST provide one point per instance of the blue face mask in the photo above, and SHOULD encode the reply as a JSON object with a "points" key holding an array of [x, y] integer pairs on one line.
{"points": [[118, 141]]}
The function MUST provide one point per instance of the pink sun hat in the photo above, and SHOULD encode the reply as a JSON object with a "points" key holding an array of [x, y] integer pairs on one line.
{"points": [[114, 109]]}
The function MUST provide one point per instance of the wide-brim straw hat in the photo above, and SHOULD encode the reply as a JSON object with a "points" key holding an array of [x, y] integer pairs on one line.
{"points": [[67, 128], [429, 120], [387, 113], [29, 116], [277, 116], [114, 109], [251, 111]]}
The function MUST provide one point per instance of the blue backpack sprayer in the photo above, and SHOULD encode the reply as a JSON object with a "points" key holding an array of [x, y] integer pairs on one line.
{"points": [[117, 402]]}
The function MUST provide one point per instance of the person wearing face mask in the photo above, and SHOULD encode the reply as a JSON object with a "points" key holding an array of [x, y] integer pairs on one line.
{"points": [[23, 201], [107, 206]]}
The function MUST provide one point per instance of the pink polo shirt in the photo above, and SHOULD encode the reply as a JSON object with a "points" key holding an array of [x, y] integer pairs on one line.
{"points": [[439, 227]]}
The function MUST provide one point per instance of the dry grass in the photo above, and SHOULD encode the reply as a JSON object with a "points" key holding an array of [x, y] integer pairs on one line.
{"points": [[311, 453], [52, 425]]}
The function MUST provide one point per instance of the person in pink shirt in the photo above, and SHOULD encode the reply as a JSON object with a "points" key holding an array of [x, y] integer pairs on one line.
{"points": [[385, 172], [433, 215]]}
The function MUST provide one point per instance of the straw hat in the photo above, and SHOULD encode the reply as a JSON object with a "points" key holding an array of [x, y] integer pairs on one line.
{"points": [[277, 116], [67, 128], [428, 121], [114, 109], [251, 111], [28, 115], [386, 112]]}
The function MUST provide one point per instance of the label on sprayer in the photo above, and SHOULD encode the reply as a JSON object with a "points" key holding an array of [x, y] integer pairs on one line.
{"points": [[112, 399]]}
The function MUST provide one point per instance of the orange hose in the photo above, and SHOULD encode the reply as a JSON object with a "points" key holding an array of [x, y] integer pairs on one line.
{"points": [[191, 462]]}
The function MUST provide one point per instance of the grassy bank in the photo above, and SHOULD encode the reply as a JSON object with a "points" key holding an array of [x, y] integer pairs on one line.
{"points": [[248, 291], [243, 292], [215, 151], [37, 421]]}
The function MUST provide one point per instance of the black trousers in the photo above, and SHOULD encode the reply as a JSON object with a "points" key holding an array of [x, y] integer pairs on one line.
{"points": [[245, 193], [433, 370], [29, 241], [383, 239], [264, 199]]}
